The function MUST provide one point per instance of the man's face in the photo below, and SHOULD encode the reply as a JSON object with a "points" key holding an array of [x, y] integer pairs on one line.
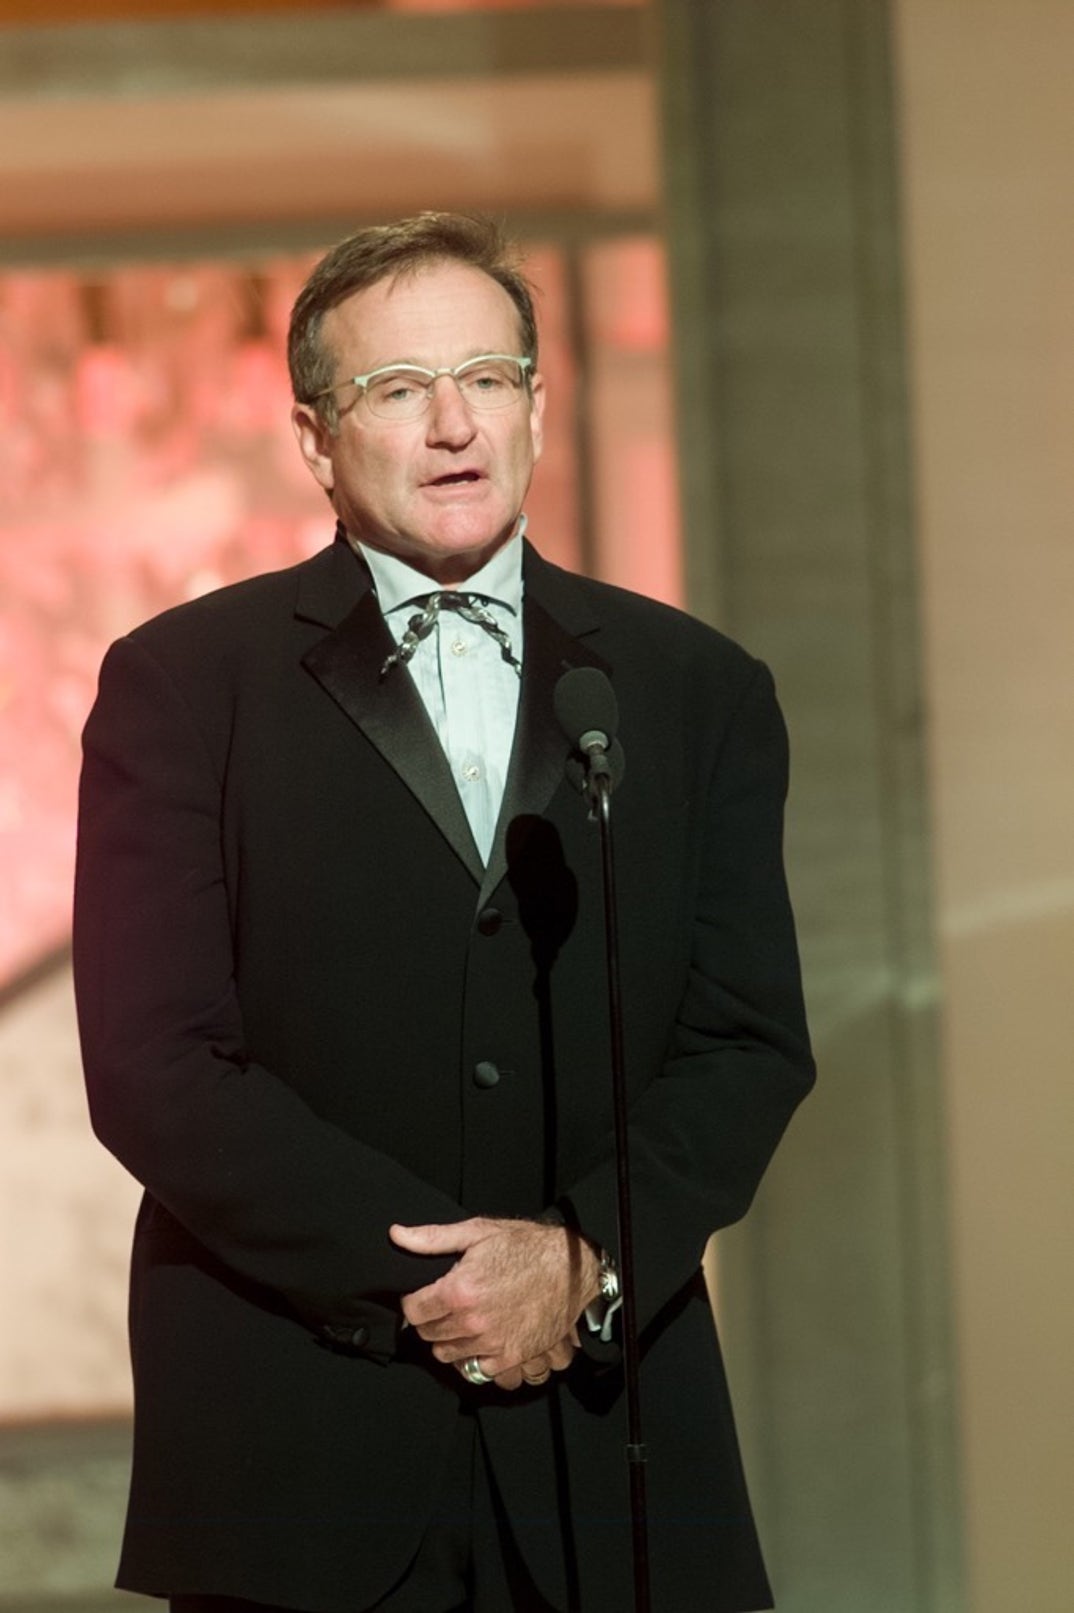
{"points": [[442, 492]]}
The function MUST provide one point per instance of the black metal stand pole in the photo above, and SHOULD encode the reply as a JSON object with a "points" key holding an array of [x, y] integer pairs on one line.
{"points": [[600, 786]]}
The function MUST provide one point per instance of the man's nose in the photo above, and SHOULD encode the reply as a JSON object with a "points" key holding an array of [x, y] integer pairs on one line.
{"points": [[449, 418]]}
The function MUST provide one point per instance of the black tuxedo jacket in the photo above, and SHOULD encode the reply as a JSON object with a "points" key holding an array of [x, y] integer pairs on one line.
{"points": [[308, 1011]]}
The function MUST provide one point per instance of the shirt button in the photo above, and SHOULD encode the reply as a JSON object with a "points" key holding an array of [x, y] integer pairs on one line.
{"points": [[486, 1074], [459, 646], [471, 772]]}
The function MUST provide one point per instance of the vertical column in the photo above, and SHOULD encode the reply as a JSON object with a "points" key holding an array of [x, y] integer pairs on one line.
{"points": [[987, 137], [783, 243]]}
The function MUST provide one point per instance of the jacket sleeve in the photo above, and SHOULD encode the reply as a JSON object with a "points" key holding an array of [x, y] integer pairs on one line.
{"points": [[738, 1062], [279, 1194]]}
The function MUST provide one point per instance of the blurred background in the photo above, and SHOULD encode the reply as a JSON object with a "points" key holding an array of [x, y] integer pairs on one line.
{"points": [[804, 281]]}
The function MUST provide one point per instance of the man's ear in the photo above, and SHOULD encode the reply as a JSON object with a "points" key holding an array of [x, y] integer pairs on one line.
{"points": [[315, 443]]}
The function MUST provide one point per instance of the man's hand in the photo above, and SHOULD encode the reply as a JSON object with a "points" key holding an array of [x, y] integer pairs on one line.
{"points": [[511, 1300]]}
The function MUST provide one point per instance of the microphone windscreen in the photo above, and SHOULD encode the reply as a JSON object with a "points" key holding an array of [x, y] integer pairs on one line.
{"points": [[585, 700]]}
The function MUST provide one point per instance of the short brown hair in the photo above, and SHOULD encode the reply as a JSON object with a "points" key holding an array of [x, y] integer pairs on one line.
{"points": [[384, 251]]}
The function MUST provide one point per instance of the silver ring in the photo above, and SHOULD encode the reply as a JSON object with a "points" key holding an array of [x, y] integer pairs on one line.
{"points": [[471, 1371]]}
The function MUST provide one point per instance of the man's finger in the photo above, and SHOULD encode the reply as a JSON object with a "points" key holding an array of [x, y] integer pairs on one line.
{"points": [[436, 1238], [429, 1304], [445, 1329], [536, 1371], [451, 1299], [560, 1356], [451, 1351]]}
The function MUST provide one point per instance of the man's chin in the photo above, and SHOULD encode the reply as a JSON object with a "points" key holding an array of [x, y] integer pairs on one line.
{"points": [[451, 557]]}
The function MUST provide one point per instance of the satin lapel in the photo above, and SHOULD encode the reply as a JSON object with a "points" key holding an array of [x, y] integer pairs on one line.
{"points": [[540, 750], [390, 713]]}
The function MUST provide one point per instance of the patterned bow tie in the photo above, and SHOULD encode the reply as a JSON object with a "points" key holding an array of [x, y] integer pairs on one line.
{"points": [[469, 607]]}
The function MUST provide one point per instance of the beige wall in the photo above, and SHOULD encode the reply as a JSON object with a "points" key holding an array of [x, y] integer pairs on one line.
{"points": [[988, 151], [66, 1213]]}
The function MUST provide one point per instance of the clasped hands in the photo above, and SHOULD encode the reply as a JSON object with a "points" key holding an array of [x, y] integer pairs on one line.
{"points": [[512, 1300]]}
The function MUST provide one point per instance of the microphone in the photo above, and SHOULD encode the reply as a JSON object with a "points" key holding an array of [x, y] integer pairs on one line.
{"points": [[588, 713]]}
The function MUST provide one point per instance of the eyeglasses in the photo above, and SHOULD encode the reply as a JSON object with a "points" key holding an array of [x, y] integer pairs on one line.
{"points": [[405, 391]]}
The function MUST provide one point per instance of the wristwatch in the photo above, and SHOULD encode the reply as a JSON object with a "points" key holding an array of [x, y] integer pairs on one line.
{"points": [[601, 1314]]}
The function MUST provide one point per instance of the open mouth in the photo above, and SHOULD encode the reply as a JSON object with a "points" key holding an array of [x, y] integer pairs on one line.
{"points": [[455, 479]]}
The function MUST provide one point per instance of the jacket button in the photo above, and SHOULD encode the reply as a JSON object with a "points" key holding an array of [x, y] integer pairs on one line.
{"points": [[485, 1074], [489, 920]]}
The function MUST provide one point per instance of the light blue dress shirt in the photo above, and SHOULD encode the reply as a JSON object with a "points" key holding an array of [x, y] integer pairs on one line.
{"points": [[469, 690]]}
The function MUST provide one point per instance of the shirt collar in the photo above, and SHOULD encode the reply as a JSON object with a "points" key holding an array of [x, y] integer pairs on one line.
{"points": [[499, 579]]}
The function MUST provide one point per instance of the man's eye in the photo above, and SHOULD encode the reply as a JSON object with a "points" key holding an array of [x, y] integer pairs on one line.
{"points": [[487, 381], [396, 389]]}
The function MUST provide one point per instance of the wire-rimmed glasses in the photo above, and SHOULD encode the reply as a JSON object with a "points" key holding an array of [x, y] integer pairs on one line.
{"points": [[405, 391]]}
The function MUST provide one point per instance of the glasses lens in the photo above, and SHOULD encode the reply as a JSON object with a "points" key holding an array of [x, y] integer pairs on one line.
{"points": [[398, 394], [403, 392], [490, 383]]}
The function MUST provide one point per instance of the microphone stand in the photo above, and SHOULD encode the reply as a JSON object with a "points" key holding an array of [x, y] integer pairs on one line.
{"points": [[599, 789]]}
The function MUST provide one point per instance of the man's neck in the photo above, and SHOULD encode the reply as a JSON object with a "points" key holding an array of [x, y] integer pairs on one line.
{"points": [[397, 581]]}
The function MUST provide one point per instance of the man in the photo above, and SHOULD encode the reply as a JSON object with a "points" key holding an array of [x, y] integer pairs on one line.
{"points": [[339, 949]]}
